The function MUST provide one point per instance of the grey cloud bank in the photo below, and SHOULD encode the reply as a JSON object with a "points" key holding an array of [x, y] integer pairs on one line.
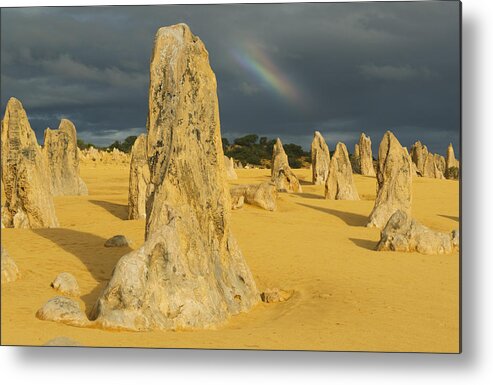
{"points": [[282, 70]]}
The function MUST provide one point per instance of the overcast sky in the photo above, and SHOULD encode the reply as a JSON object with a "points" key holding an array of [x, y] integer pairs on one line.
{"points": [[282, 70]]}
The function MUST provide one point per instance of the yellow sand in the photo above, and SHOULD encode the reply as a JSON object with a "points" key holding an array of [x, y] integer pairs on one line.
{"points": [[347, 296]]}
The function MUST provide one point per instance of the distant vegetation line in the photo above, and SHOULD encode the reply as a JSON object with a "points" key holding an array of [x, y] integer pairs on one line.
{"points": [[248, 149], [125, 145]]}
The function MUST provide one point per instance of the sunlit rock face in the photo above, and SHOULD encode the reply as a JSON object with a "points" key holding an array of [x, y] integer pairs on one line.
{"points": [[340, 183], [190, 272], [62, 156], [281, 174], [25, 177], [394, 181]]}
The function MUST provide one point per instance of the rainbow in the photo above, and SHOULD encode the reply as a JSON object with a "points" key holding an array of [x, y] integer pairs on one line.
{"points": [[255, 61]]}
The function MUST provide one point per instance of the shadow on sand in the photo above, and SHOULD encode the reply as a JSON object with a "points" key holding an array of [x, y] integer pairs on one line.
{"points": [[118, 210], [449, 217], [351, 219], [364, 243], [305, 182], [89, 248], [310, 196]]}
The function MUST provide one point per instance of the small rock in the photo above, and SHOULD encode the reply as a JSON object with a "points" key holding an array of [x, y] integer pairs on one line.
{"points": [[117, 241], [275, 295], [237, 201], [64, 310], [66, 283]]}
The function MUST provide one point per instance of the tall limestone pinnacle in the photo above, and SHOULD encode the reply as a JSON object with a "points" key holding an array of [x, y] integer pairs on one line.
{"points": [[394, 179], [61, 152], [320, 159], [190, 272], [25, 177], [340, 183], [281, 174], [365, 156], [450, 160], [139, 179], [419, 154], [427, 164]]}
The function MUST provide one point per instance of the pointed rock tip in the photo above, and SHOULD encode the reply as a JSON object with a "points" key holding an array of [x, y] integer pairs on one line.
{"points": [[180, 29], [65, 123], [14, 102]]}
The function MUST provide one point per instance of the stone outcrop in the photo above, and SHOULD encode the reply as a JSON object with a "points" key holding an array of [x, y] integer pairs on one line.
{"points": [[403, 233], [394, 181], [190, 272], [263, 195], [340, 184], [66, 284], [365, 156], [139, 179], [60, 150], [230, 169], [320, 159], [281, 174], [26, 182], [63, 309], [10, 271]]}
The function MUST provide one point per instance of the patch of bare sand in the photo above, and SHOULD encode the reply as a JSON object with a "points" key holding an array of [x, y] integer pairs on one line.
{"points": [[347, 296]]}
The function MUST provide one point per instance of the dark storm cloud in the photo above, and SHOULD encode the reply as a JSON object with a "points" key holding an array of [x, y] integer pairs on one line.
{"points": [[340, 68]]}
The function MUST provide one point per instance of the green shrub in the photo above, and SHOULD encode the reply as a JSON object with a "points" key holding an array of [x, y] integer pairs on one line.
{"points": [[452, 173]]}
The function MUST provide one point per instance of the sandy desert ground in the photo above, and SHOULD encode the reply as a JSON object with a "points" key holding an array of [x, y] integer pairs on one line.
{"points": [[346, 295]]}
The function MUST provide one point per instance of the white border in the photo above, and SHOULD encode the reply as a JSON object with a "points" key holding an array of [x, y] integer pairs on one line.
{"points": [[115, 366]]}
